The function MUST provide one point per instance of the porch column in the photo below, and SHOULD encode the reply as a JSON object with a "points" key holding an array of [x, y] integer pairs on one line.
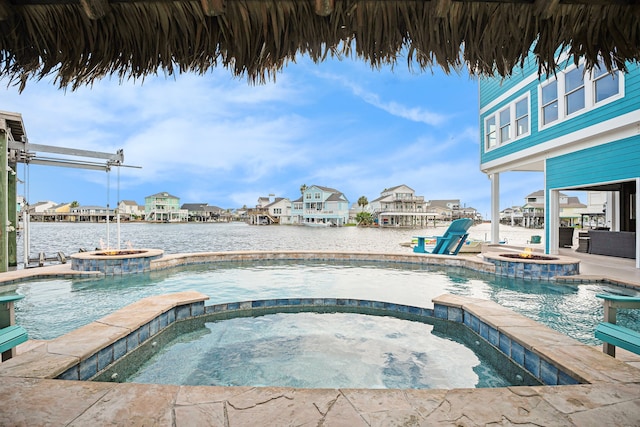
{"points": [[637, 207], [553, 219], [12, 216], [4, 216], [495, 208], [613, 211]]}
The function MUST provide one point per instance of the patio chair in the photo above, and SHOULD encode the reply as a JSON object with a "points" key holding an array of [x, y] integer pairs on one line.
{"points": [[450, 242]]}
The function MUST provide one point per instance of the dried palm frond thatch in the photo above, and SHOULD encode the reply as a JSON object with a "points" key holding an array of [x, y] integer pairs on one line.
{"points": [[78, 41]]}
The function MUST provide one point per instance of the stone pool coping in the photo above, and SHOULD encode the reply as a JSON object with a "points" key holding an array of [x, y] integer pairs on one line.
{"points": [[185, 259], [31, 396], [131, 326]]}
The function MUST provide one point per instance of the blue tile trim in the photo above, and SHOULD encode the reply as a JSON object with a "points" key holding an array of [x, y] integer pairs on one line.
{"points": [[89, 367], [197, 308], [440, 311], [565, 379], [532, 362], [73, 373], [546, 372], [143, 333], [132, 341], [517, 353], [105, 357], [183, 312], [119, 348], [454, 314], [504, 344], [494, 337]]}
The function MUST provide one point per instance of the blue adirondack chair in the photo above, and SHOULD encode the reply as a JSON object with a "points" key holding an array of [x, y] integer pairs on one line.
{"points": [[450, 242]]}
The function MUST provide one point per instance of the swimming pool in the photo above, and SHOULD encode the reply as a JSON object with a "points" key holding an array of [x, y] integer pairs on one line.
{"points": [[54, 307]]}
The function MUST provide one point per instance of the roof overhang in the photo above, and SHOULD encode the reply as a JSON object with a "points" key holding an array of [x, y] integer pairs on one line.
{"points": [[79, 41]]}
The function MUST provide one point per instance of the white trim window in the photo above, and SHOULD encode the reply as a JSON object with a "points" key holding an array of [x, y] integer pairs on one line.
{"points": [[574, 99], [508, 124], [580, 92], [549, 98]]}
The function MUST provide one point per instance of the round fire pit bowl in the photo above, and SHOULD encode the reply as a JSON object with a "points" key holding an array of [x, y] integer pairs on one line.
{"points": [[530, 265], [529, 256], [114, 262]]}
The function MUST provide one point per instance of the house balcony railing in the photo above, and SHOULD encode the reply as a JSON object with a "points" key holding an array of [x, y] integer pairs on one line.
{"points": [[403, 210], [318, 212], [409, 199]]}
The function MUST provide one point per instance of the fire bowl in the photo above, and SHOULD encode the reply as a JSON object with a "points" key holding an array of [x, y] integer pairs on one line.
{"points": [[529, 256], [533, 266], [120, 252], [115, 261]]}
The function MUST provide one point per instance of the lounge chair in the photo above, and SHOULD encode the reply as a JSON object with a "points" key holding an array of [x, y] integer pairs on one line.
{"points": [[450, 242]]}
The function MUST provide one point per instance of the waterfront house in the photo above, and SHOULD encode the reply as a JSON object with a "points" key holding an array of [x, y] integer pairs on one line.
{"points": [[297, 210], [451, 209], [39, 208], [322, 206], [400, 207], [196, 212], [217, 214], [579, 129], [280, 210], [570, 210], [47, 213], [512, 216], [164, 207], [129, 209], [267, 212], [90, 213]]}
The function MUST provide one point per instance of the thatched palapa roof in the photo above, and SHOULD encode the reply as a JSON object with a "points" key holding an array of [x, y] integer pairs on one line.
{"points": [[78, 41]]}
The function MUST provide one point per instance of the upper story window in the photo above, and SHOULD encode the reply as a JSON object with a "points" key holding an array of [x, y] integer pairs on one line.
{"points": [[307, 196], [505, 125], [317, 196], [490, 130], [522, 117], [575, 91], [550, 103], [605, 84], [509, 124]]}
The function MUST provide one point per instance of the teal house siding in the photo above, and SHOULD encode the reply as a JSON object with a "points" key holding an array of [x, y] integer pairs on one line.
{"points": [[615, 161], [600, 113], [592, 140], [492, 88]]}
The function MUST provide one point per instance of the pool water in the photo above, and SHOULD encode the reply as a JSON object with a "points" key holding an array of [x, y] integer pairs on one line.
{"points": [[318, 350], [54, 307]]}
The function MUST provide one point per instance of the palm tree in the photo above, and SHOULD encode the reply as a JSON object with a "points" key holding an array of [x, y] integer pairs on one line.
{"points": [[303, 188], [74, 204], [362, 202]]}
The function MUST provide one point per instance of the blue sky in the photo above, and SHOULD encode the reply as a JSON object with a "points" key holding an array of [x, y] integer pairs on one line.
{"points": [[221, 140]]}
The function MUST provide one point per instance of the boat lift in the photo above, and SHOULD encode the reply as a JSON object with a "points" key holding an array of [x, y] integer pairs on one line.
{"points": [[15, 148]]}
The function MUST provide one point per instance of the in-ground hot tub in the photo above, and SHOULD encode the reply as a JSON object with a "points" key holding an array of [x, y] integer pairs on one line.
{"points": [[529, 265], [115, 261]]}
